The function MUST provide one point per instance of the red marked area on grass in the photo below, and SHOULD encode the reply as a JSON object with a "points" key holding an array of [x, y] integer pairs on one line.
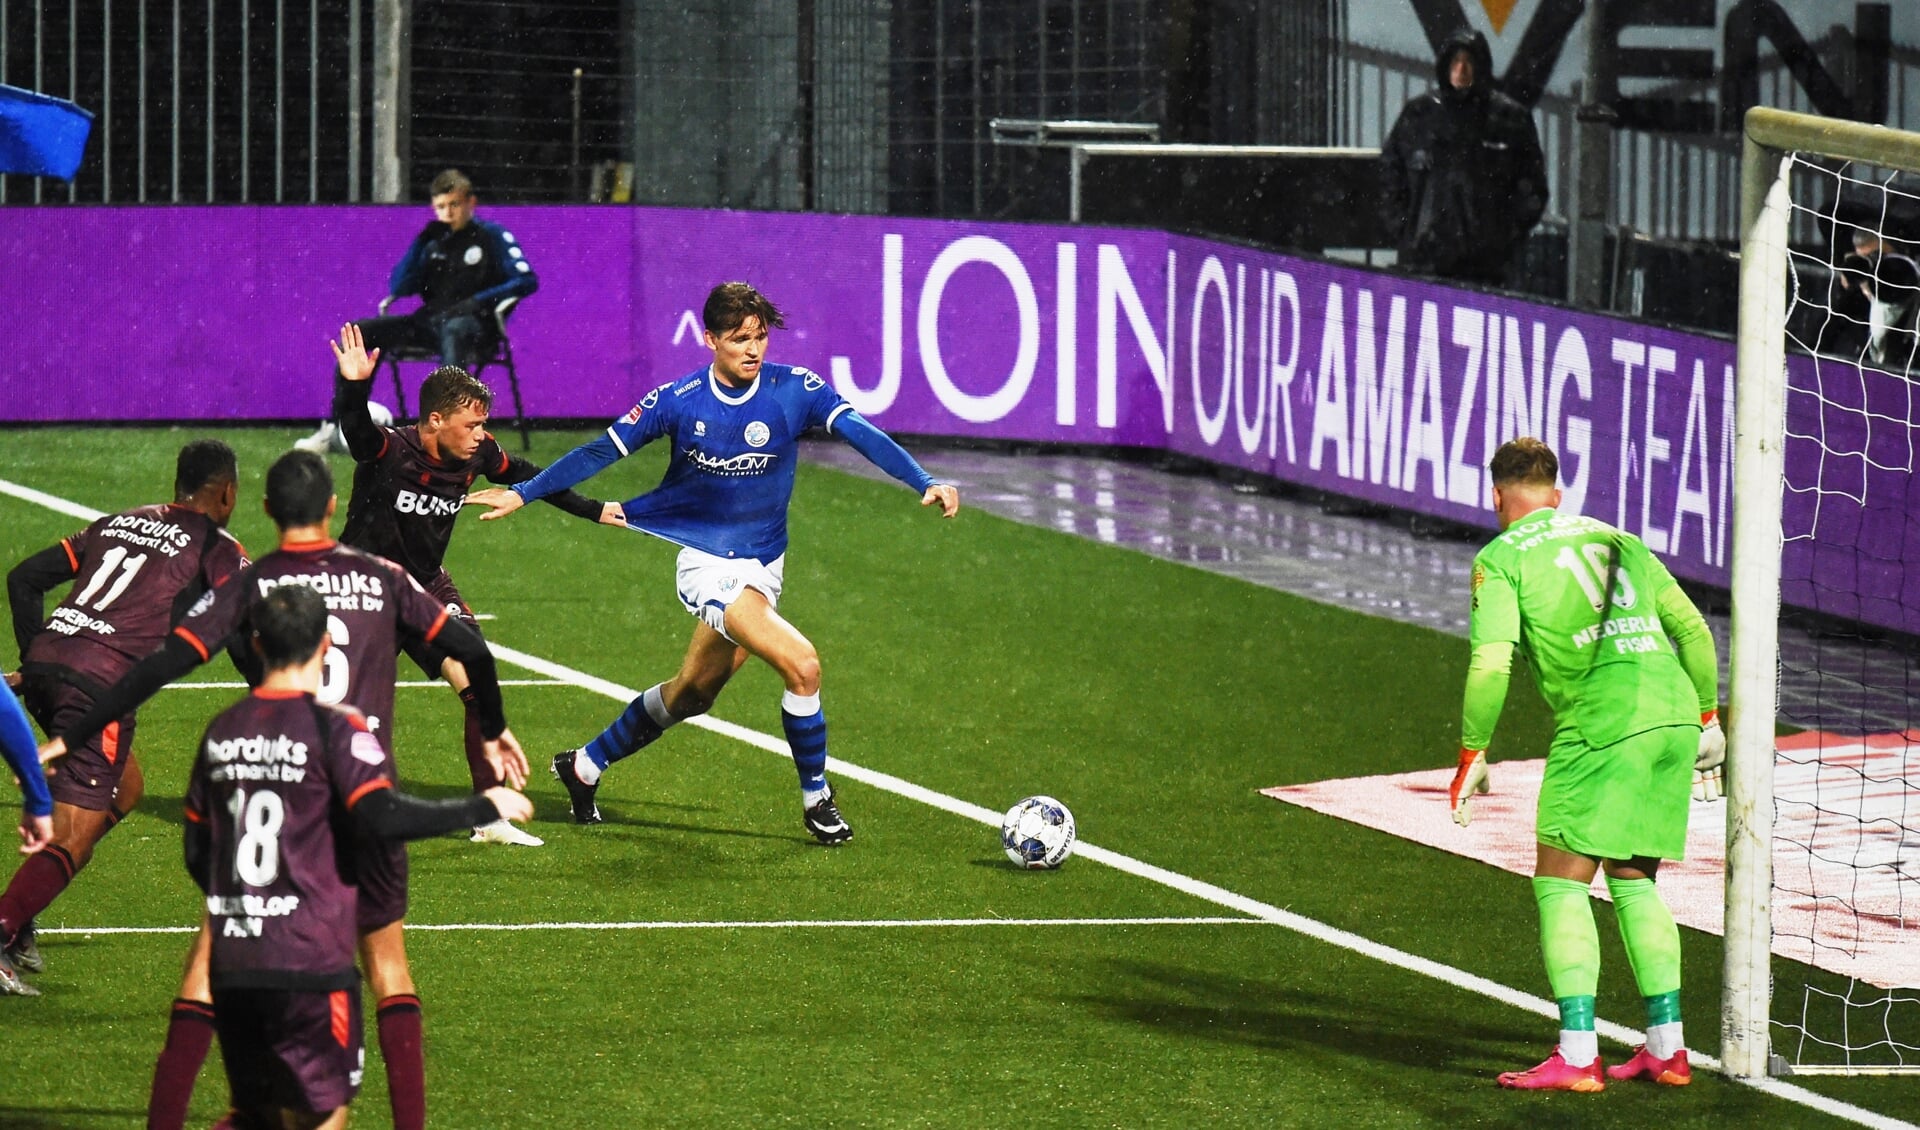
{"points": [[1846, 852]]}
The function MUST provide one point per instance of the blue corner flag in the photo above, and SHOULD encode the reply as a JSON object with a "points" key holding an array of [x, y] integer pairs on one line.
{"points": [[41, 136]]}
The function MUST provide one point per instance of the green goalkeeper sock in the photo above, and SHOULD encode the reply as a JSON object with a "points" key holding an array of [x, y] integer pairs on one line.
{"points": [[1653, 950], [1571, 945]]}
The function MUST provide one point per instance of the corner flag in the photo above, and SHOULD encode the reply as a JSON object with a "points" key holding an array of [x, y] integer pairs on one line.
{"points": [[41, 136]]}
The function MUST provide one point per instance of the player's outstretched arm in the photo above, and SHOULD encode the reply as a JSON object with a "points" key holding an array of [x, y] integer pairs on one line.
{"points": [[16, 743], [350, 355], [499, 501], [365, 440], [946, 495], [393, 815], [883, 452], [518, 470]]}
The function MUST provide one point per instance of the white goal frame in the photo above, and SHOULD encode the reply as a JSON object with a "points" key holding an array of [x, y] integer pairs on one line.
{"points": [[1759, 458]]}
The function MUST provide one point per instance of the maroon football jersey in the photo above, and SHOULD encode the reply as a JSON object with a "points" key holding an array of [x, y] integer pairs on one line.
{"points": [[370, 600], [274, 784], [405, 501], [129, 569]]}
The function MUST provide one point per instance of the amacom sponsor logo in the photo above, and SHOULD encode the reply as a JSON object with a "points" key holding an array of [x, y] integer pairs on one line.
{"points": [[746, 463], [409, 502]]}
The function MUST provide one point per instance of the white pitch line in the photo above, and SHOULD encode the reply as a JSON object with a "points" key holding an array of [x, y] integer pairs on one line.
{"points": [[407, 685], [1299, 923], [51, 502], [788, 924]]}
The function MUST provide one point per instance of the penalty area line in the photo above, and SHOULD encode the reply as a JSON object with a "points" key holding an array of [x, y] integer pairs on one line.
{"points": [[1220, 896]]}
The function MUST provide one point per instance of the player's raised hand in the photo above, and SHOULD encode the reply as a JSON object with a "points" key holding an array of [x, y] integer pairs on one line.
{"points": [[36, 832], [351, 356], [501, 502], [512, 805], [508, 760], [1709, 764], [1469, 780], [946, 494]]}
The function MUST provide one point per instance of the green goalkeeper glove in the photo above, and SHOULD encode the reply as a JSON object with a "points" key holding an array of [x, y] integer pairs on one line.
{"points": [[1469, 779], [1708, 764]]}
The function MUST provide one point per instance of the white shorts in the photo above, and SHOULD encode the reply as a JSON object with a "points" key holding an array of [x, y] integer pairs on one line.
{"points": [[708, 584]]}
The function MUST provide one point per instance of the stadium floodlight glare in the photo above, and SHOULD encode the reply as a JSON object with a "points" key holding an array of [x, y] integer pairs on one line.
{"points": [[1872, 1030]]}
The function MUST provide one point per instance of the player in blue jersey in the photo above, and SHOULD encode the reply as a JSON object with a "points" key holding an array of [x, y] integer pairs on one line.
{"points": [[22, 754], [735, 428]]}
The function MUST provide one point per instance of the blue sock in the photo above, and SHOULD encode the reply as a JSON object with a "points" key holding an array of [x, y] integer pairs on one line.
{"points": [[644, 719], [806, 730]]}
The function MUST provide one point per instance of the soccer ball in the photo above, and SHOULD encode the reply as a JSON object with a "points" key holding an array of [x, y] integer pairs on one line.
{"points": [[1038, 833]]}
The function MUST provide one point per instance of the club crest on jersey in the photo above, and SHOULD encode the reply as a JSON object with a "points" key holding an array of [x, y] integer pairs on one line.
{"points": [[365, 747], [757, 434], [473, 255]]}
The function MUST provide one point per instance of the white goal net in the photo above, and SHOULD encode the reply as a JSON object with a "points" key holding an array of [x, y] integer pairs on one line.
{"points": [[1824, 890]]}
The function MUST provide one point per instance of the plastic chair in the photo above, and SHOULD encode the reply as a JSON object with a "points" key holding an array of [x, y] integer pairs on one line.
{"points": [[502, 355]]}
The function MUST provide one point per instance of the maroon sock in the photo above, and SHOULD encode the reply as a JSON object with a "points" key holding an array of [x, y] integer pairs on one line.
{"points": [[189, 1035], [402, 1049], [38, 882], [482, 773]]}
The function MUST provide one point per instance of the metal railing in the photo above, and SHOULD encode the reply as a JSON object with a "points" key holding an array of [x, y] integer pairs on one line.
{"points": [[267, 101]]}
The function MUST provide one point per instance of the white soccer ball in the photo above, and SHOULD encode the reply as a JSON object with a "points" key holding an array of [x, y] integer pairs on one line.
{"points": [[1038, 833]]}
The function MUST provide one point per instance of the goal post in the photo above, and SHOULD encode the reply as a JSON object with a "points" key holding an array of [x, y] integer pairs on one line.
{"points": [[1773, 138]]}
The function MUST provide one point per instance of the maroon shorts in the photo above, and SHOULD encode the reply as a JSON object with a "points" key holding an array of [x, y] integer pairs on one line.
{"points": [[424, 655], [89, 776], [290, 1048], [381, 870]]}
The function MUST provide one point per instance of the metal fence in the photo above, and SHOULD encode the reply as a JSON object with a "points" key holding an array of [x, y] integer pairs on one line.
{"points": [[213, 101], [196, 100], [842, 105]]}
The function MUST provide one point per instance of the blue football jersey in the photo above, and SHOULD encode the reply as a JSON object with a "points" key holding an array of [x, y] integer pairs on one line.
{"points": [[735, 452]]}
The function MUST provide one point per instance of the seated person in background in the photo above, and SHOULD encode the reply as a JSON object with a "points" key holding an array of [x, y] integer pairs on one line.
{"points": [[1462, 180], [461, 266]]}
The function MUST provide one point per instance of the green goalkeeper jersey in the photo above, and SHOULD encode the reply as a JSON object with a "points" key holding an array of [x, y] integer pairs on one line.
{"points": [[1608, 668]]}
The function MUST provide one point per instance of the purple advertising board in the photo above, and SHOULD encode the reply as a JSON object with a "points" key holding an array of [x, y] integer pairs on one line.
{"points": [[1365, 384]]}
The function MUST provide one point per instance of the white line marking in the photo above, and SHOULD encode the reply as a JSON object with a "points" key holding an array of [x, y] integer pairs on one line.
{"points": [[1299, 923], [410, 684], [51, 502], [789, 924]]}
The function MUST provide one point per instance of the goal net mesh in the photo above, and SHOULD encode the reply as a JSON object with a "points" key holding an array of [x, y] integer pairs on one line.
{"points": [[1846, 835]]}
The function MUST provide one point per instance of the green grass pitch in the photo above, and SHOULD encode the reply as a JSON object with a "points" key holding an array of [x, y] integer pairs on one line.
{"points": [[980, 659]]}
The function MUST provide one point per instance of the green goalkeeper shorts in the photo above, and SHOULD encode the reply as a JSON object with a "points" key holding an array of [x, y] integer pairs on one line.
{"points": [[1624, 800]]}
